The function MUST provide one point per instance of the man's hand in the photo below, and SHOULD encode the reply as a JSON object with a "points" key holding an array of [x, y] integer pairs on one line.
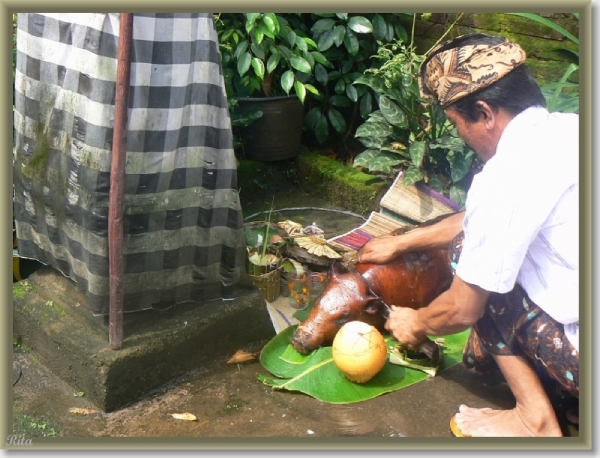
{"points": [[378, 250], [452, 311], [384, 248], [402, 324]]}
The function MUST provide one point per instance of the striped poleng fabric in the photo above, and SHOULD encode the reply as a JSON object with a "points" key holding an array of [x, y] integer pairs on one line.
{"points": [[183, 227]]}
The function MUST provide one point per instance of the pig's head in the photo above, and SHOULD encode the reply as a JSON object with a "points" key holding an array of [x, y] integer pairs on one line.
{"points": [[346, 297]]}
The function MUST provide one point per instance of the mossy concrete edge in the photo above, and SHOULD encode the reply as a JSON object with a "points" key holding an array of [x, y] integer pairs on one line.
{"points": [[341, 185], [79, 353]]}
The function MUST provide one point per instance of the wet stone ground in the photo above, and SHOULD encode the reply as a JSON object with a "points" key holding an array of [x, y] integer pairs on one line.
{"points": [[229, 401]]}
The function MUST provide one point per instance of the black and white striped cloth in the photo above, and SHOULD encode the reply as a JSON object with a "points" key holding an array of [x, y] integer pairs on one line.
{"points": [[184, 237]]}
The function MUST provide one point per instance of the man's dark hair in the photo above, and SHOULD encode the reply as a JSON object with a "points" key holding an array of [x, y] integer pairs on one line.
{"points": [[514, 92]]}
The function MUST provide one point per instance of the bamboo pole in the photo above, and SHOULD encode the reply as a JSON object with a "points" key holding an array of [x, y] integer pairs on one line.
{"points": [[117, 183]]}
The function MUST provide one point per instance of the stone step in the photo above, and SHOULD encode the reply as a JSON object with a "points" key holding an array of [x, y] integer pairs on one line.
{"points": [[52, 318]]}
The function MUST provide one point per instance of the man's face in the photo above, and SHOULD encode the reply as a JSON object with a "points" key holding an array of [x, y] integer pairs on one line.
{"points": [[474, 134]]}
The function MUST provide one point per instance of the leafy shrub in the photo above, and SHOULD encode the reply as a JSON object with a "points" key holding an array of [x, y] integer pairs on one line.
{"points": [[407, 134], [264, 54], [348, 41], [317, 56]]}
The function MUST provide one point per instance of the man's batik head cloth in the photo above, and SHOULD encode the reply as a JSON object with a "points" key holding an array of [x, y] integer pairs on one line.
{"points": [[454, 73]]}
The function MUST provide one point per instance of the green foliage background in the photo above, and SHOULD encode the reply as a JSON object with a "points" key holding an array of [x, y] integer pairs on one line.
{"points": [[356, 74]]}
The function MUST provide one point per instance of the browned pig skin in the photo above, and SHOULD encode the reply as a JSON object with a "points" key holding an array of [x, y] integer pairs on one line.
{"points": [[410, 280]]}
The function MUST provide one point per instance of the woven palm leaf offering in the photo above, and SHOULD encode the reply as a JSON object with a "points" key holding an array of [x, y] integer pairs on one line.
{"points": [[318, 246], [308, 244]]}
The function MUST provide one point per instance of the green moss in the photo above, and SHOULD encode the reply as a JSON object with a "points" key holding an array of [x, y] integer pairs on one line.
{"points": [[234, 404], [509, 24], [32, 310], [547, 71], [543, 45], [21, 288], [19, 345], [338, 183], [56, 308], [45, 311], [28, 426], [35, 167]]}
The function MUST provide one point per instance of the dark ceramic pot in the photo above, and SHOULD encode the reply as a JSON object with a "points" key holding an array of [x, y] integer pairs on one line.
{"points": [[277, 134]]}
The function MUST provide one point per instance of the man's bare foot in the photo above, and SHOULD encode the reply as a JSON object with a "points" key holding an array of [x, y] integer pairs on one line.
{"points": [[516, 422]]}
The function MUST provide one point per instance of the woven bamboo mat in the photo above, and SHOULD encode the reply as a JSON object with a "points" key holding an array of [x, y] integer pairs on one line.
{"points": [[400, 206], [416, 203], [377, 224]]}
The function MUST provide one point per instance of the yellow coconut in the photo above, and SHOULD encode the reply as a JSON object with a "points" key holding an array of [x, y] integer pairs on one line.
{"points": [[359, 351]]}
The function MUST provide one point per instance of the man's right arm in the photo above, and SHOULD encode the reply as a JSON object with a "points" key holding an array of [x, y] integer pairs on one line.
{"points": [[384, 248]]}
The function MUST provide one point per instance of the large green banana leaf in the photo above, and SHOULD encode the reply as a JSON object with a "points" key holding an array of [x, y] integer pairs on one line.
{"points": [[317, 375]]}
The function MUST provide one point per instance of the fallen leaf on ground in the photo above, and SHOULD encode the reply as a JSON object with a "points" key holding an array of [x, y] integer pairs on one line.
{"points": [[242, 356], [81, 411], [184, 416]]}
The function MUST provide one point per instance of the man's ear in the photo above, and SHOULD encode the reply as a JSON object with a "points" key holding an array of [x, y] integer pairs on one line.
{"points": [[487, 113]]}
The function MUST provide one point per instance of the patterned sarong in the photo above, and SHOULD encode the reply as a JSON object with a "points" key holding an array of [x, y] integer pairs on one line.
{"points": [[513, 325], [183, 226]]}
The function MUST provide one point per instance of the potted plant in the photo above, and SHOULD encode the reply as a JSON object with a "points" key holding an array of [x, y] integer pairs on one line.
{"points": [[268, 60]]}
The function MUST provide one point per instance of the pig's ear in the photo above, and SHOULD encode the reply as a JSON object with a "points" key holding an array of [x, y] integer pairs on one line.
{"points": [[373, 304], [337, 268]]}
